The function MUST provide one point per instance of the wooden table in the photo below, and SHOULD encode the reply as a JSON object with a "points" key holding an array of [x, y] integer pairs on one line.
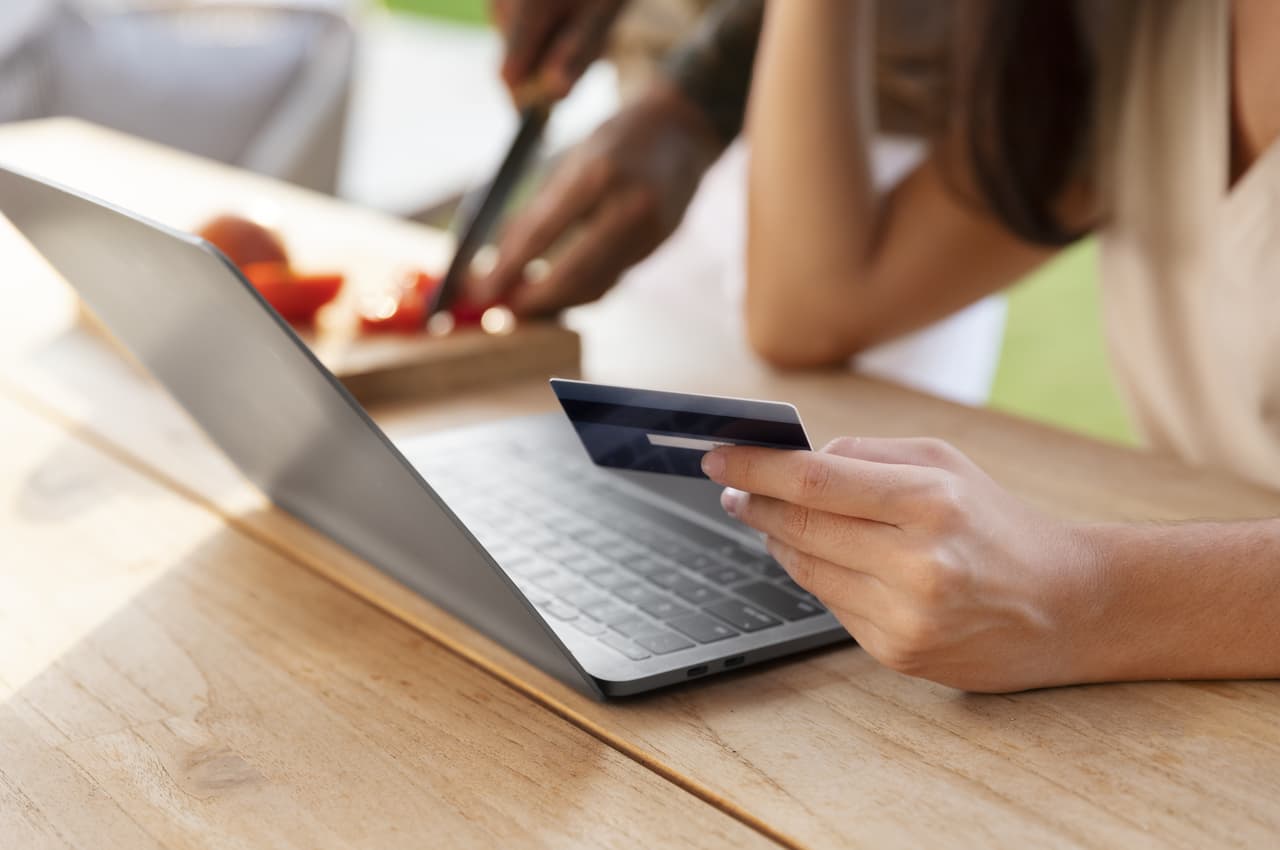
{"points": [[183, 665]]}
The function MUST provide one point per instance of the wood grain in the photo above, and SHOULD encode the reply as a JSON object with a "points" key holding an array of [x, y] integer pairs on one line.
{"points": [[424, 369], [167, 682], [828, 750]]}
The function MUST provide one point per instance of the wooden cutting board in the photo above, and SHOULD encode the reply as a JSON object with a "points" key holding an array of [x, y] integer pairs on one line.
{"points": [[394, 368]]}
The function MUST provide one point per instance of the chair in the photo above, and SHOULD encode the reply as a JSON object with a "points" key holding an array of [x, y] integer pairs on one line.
{"points": [[259, 86]]}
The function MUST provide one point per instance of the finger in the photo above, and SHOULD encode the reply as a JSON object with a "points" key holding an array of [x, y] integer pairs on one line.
{"points": [[842, 590], [529, 30], [860, 545], [591, 263], [568, 196], [576, 47], [916, 451], [897, 494]]}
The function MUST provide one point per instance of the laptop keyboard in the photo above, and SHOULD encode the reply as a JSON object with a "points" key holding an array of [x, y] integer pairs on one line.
{"points": [[640, 580]]}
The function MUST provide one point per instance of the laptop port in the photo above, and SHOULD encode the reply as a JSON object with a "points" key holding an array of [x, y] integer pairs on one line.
{"points": [[735, 661], [700, 670]]}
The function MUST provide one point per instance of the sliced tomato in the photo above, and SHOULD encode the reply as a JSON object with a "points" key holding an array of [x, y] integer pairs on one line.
{"points": [[387, 315], [425, 283], [404, 309], [297, 298]]}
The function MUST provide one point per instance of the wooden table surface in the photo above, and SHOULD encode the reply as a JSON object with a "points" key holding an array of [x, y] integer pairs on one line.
{"points": [[183, 665]]}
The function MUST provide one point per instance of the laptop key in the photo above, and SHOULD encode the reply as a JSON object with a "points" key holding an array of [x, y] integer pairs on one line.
{"points": [[773, 569], [609, 577], [726, 575], [702, 563], [560, 610], [584, 597], [618, 551], [702, 628], [589, 627], [644, 565], [530, 568], [625, 646], [635, 626], [661, 643], [741, 617], [666, 579], [638, 594], [558, 583], [608, 612], [538, 598], [664, 609], [581, 562], [791, 587], [561, 551], [775, 600], [696, 592], [751, 561]]}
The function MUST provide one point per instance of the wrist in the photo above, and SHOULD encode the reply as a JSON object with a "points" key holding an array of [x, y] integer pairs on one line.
{"points": [[1093, 613], [713, 68], [666, 99]]}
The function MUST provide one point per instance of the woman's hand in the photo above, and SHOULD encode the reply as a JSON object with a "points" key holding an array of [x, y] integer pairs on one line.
{"points": [[935, 569]]}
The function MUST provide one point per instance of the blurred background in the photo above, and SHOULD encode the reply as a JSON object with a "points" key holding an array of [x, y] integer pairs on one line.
{"points": [[397, 105]]}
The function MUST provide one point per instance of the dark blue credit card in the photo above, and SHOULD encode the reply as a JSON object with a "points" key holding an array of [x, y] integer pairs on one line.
{"points": [[669, 433]]}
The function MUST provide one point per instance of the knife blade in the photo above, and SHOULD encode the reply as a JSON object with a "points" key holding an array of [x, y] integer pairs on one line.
{"points": [[480, 221]]}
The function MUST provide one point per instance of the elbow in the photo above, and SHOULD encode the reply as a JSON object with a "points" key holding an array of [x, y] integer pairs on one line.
{"points": [[795, 342], [794, 334]]}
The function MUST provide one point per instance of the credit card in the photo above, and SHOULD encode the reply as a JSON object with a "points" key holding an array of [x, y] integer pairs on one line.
{"points": [[668, 433]]}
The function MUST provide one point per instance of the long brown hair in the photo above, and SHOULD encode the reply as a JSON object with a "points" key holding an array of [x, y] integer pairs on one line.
{"points": [[1030, 113], [1012, 85]]}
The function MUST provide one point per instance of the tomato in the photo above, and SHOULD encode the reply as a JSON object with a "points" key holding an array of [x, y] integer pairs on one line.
{"points": [[244, 242], [404, 309], [424, 283], [465, 313], [406, 315], [296, 298]]}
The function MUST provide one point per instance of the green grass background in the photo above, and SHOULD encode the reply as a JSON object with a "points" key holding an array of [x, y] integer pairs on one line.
{"points": [[458, 11], [1053, 364]]}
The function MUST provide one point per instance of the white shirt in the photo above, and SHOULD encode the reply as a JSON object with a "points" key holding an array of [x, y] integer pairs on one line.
{"points": [[1191, 263]]}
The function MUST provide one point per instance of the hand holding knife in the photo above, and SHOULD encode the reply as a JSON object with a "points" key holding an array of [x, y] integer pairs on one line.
{"points": [[479, 223]]}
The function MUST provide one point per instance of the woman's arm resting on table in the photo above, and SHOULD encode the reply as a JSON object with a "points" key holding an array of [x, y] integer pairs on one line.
{"points": [[832, 267], [940, 573]]}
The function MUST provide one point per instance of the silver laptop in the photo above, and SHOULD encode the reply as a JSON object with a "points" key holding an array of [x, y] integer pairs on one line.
{"points": [[615, 582]]}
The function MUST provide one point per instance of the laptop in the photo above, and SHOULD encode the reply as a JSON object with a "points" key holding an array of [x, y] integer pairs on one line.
{"points": [[616, 582]]}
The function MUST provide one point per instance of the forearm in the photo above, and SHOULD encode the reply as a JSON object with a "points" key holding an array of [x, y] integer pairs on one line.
{"points": [[835, 266], [1188, 601], [714, 66], [812, 204]]}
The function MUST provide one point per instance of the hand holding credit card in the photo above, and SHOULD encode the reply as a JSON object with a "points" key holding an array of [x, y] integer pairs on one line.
{"points": [[665, 432]]}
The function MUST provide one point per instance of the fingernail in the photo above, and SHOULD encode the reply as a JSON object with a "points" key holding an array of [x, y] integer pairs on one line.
{"points": [[732, 500], [713, 465]]}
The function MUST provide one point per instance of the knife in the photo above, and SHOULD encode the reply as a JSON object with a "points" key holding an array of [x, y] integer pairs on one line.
{"points": [[479, 221]]}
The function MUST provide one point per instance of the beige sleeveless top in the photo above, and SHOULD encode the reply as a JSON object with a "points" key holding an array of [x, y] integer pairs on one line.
{"points": [[1190, 264]]}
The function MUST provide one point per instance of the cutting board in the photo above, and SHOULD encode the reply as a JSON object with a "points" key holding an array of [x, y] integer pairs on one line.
{"points": [[397, 368]]}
